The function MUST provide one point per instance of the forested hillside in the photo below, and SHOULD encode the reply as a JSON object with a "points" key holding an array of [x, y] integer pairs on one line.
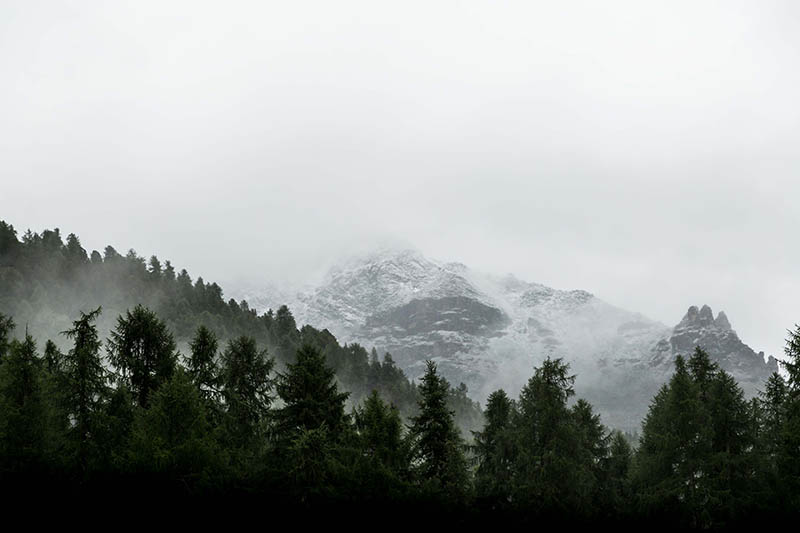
{"points": [[46, 281]]}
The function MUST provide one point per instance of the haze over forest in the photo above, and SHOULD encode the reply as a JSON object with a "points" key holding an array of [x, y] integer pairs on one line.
{"points": [[645, 153]]}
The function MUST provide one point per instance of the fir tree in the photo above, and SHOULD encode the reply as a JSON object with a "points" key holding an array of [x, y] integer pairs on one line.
{"points": [[173, 435], [85, 384], [246, 388], [546, 470], [202, 363], [6, 327], [143, 351], [312, 429], [495, 449], [380, 435], [436, 445], [22, 409]]}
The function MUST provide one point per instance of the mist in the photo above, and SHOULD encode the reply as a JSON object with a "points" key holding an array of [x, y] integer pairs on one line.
{"points": [[645, 153]]}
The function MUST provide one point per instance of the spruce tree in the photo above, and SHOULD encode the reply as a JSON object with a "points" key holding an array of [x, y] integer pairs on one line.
{"points": [[6, 327], [436, 446], [312, 430], [143, 351], [202, 363], [173, 437], [789, 444], [547, 473], [22, 409], [495, 449], [246, 387], [85, 384], [311, 396], [380, 436]]}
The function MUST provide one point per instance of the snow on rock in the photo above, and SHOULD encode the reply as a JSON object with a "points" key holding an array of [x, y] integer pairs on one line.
{"points": [[489, 331]]}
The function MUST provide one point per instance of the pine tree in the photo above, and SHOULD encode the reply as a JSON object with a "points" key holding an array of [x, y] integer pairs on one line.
{"points": [[6, 327], [380, 435], [790, 435], [312, 429], [246, 388], [173, 435], [202, 363], [495, 449], [22, 409], [673, 446], [143, 351], [53, 358], [85, 384], [547, 469], [616, 485], [436, 446], [696, 454]]}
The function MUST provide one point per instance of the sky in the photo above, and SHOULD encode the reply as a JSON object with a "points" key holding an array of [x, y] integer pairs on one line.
{"points": [[644, 151]]}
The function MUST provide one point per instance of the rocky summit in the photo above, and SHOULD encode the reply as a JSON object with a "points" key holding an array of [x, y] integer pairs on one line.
{"points": [[490, 331]]}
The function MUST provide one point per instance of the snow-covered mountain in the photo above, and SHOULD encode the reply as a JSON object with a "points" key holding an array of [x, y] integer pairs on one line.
{"points": [[489, 331]]}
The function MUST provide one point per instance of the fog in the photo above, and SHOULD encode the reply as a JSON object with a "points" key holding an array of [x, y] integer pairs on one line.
{"points": [[645, 153]]}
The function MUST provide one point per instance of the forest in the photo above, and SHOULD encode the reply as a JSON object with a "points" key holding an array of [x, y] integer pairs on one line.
{"points": [[192, 397]]}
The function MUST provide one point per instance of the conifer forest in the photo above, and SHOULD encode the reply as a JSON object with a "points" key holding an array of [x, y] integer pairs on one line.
{"points": [[191, 397]]}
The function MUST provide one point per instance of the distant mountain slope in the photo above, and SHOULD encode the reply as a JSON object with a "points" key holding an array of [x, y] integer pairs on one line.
{"points": [[490, 331]]}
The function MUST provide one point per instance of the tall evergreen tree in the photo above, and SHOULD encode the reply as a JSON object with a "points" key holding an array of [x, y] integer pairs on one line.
{"points": [[495, 449], [143, 351], [547, 473], [380, 434], [246, 389], [311, 428], [202, 363], [22, 409], [173, 436], [696, 455], [311, 395], [85, 384], [6, 327], [436, 445], [790, 435]]}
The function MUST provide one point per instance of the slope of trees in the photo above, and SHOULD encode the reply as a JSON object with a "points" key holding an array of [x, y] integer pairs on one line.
{"points": [[46, 281]]}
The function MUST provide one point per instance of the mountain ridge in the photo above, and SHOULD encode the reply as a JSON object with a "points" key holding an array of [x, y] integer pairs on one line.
{"points": [[489, 331]]}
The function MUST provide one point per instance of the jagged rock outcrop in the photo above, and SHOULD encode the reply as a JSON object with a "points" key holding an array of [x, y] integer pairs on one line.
{"points": [[715, 335]]}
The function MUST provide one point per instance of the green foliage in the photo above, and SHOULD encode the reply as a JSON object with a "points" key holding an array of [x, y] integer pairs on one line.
{"points": [[202, 363], [173, 436], [84, 383], [380, 434], [696, 455], [310, 395], [495, 449], [437, 449], [22, 409], [246, 387], [547, 471], [143, 351], [6, 327]]}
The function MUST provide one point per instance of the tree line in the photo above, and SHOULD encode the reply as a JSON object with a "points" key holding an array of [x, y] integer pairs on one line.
{"points": [[221, 420]]}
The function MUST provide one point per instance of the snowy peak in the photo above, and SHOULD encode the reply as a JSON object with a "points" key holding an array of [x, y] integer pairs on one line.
{"points": [[489, 331]]}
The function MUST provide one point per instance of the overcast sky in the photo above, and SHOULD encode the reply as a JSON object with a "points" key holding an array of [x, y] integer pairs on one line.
{"points": [[644, 151]]}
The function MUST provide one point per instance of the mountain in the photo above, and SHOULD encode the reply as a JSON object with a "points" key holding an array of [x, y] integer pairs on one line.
{"points": [[489, 331]]}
